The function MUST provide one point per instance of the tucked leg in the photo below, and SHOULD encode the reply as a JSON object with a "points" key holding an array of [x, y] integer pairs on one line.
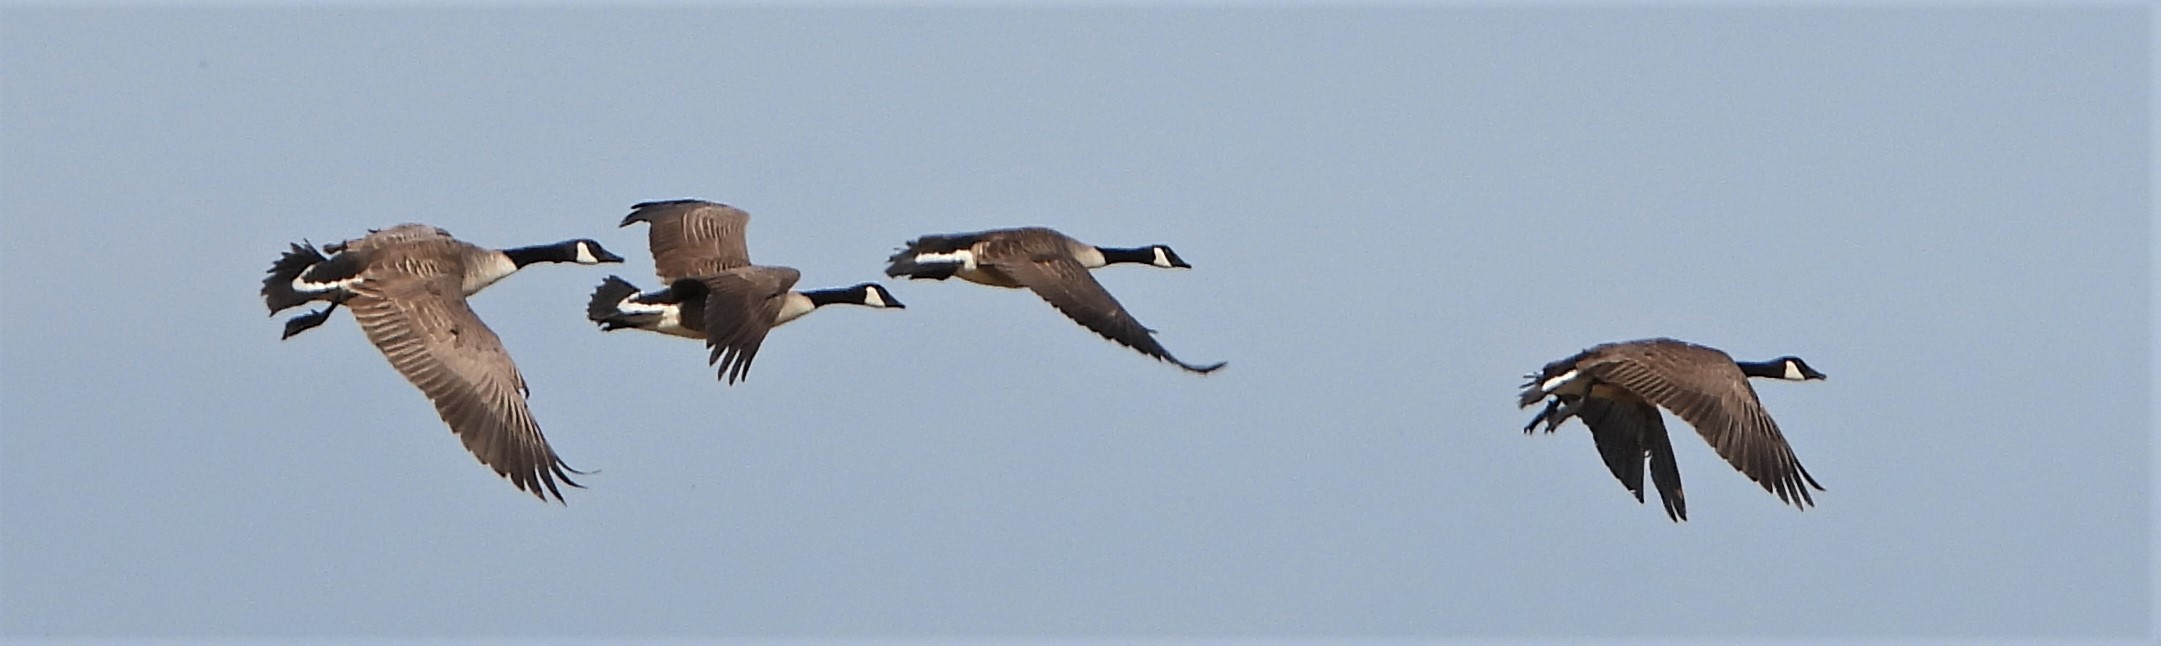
{"points": [[305, 322]]}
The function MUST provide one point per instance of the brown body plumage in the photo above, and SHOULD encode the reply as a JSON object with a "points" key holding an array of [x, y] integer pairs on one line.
{"points": [[1051, 264], [1617, 388], [713, 291], [407, 287]]}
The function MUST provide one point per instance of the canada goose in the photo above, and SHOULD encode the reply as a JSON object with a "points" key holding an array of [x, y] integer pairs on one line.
{"points": [[1617, 388], [713, 291], [407, 286], [1052, 265], [303, 274]]}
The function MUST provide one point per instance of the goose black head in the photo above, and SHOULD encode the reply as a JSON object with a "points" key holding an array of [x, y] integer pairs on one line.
{"points": [[1166, 258], [589, 252], [1794, 369]]}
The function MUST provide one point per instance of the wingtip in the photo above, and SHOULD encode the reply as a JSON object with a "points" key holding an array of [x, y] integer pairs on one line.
{"points": [[1202, 370], [543, 483], [638, 213]]}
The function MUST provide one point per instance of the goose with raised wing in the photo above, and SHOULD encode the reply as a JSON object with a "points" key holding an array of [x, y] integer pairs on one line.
{"points": [[407, 287], [1617, 389], [713, 292]]}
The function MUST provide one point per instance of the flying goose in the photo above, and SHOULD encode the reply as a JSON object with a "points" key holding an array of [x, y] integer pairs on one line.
{"points": [[1052, 265], [407, 286], [1616, 388], [713, 291], [303, 274]]}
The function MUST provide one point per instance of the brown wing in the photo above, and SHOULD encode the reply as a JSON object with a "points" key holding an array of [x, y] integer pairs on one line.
{"points": [[359, 255], [1628, 430], [740, 306], [423, 326], [1704, 387], [693, 238], [390, 237], [1062, 281]]}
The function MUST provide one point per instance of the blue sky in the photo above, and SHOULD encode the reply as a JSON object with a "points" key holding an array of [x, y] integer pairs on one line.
{"points": [[1392, 213]]}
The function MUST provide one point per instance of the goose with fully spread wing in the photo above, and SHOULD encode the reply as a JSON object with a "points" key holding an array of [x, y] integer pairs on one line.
{"points": [[407, 287], [1617, 389]]}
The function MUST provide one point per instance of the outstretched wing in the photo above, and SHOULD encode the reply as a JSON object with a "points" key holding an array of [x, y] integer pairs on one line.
{"points": [[429, 334], [692, 238], [740, 306], [1704, 387], [1069, 287], [1627, 430]]}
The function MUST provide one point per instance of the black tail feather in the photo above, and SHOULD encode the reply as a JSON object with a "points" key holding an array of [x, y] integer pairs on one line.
{"points": [[905, 265], [602, 308], [278, 292], [939, 243]]}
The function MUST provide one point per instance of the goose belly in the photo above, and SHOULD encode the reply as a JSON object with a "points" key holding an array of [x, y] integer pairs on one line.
{"points": [[671, 323], [665, 318]]}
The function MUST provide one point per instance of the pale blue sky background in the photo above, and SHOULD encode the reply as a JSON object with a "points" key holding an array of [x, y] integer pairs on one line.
{"points": [[1392, 214]]}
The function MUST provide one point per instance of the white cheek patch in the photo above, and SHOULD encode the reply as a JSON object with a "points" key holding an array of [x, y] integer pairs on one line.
{"points": [[871, 298], [1793, 372], [585, 255], [964, 258], [1162, 259], [1556, 383]]}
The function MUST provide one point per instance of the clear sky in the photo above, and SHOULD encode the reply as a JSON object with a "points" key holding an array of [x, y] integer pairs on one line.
{"points": [[1392, 214]]}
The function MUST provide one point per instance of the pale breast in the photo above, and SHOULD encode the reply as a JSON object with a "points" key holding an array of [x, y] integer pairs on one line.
{"points": [[483, 269], [793, 305]]}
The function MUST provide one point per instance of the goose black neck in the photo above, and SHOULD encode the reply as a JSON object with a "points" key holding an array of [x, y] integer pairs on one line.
{"points": [[1764, 369], [1115, 255], [558, 252], [824, 297]]}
